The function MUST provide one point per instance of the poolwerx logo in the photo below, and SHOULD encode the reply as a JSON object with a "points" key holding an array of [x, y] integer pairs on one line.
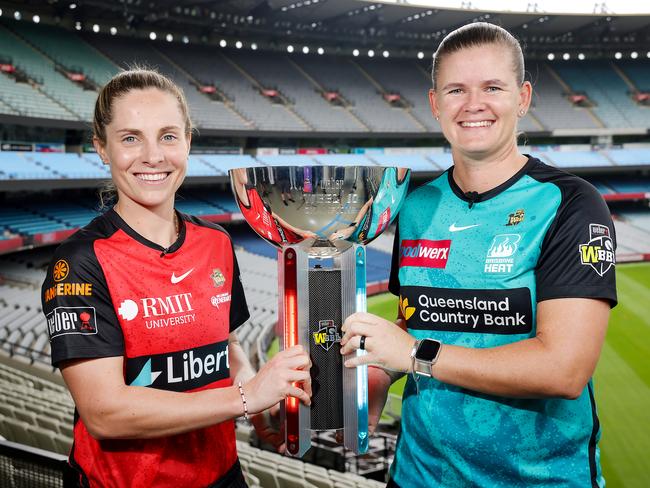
{"points": [[181, 370], [424, 253], [599, 251]]}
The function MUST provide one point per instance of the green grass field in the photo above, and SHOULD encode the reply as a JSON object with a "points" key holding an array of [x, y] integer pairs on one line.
{"points": [[622, 379]]}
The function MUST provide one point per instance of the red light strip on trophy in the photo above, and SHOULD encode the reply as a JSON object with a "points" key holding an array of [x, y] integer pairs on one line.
{"points": [[291, 339]]}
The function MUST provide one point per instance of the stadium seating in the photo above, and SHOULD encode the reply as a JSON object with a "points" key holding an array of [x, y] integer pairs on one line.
{"points": [[23, 166], [550, 104], [35, 411], [576, 159], [73, 102], [275, 471], [206, 113], [65, 49], [629, 156], [281, 72], [346, 77], [607, 90], [25, 99], [637, 72]]}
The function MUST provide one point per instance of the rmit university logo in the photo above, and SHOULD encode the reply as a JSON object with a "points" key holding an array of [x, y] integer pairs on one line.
{"points": [[500, 255], [159, 312], [327, 334], [599, 251]]}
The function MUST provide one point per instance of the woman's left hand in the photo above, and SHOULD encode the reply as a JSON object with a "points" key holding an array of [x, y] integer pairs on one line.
{"points": [[387, 344], [268, 428]]}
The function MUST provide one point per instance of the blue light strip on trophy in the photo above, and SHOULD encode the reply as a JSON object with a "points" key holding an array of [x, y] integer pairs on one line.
{"points": [[362, 371]]}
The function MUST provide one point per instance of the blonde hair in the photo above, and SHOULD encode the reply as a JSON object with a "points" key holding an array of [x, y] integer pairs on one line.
{"points": [[479, 34], [134, 78]]}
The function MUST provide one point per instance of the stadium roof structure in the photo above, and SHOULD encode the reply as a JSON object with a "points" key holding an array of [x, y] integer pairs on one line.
{"points": [[339, 26]]}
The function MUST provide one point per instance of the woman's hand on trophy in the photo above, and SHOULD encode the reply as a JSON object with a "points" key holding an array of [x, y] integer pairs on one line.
{"points": [[287, 374], [268, 427], [387, 344]]}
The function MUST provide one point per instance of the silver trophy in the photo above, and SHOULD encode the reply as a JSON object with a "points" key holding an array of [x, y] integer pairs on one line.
{"points": [[320, 218]]}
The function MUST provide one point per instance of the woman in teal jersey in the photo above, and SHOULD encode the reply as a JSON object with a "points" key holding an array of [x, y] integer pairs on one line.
{"points": [[505, 271]]}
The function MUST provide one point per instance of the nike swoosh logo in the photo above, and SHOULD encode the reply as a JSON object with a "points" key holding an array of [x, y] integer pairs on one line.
{"points": [[178, 279], [453, 228]]}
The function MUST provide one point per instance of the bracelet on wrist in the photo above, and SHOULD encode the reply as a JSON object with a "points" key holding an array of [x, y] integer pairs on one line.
{"points": [[243, 400]]}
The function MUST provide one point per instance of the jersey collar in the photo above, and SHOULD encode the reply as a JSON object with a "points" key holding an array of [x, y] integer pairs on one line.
{"points": [[481, 197], [119, 222]]}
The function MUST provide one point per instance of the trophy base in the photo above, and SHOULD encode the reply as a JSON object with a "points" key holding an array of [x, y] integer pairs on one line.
{"points": [[314, 300]]}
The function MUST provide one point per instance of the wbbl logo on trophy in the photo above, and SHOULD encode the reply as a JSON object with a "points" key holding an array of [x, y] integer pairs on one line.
{"points": [[599, 251], [327, 334]]}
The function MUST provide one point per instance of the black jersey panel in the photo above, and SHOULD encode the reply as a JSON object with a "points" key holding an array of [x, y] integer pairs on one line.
{"points": [[393, 281], [578, 254], [80, 317]]}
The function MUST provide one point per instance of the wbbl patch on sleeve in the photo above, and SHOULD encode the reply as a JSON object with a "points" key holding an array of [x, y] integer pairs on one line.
{"points": [[599, 251]]}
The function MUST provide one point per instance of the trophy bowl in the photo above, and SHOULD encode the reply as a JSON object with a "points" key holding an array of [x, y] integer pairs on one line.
{"points": [[320, 218], [323, 209]]}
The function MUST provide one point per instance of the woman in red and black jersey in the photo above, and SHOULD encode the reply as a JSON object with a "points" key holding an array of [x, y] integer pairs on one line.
{"points": [[142, 306]]}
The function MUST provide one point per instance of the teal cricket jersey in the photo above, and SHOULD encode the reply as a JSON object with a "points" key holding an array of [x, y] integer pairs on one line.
{"points": [[375, 221], [469, 271]]}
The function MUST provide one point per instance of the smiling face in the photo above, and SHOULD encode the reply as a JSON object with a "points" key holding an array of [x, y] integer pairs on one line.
{"points": [[478, 101], [147, 148]]}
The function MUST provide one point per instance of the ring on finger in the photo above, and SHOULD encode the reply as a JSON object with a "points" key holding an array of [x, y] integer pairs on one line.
{"points": [[362, 343]]}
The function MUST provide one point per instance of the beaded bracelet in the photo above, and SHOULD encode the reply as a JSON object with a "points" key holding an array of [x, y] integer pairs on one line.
{"points": [[243, 400]]}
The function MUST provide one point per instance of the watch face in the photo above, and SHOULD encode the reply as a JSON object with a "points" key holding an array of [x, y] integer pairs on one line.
{"points": [[428, 350]]}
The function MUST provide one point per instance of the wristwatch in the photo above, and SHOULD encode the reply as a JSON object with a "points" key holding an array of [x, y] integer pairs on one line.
{"points": [[424, 355]]}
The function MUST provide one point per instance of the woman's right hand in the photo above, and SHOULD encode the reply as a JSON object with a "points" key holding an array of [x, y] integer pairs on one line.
{"points": [[275, 380]]}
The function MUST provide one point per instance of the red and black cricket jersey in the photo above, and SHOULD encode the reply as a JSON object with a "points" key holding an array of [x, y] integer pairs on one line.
{"points": [[168, 312], [262, 220]]}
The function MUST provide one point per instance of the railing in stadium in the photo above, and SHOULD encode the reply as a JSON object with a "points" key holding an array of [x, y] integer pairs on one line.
{"points": [[24, 466]]}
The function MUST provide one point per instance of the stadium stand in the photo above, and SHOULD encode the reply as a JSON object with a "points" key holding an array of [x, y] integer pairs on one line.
{"points": [[226, 87], [73, 101], [576, 159], [608, 90], [281, 73], [22, 166], [550, 101], [349, 79], [67, 51], [206, 113]]}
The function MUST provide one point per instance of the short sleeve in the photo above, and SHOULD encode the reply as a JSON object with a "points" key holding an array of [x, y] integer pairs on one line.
{"points": [[578, 253], [393, 281], [238, 307], [79, 313]]}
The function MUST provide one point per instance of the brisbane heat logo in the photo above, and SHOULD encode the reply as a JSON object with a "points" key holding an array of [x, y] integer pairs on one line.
{"points": [[599, 251], [424, 253]]}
